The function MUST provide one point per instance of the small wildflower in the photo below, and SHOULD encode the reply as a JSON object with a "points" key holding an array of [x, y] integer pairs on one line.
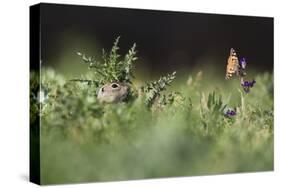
{"points": [[230, 112], [242, 67], [247, 85], [242, 63]]}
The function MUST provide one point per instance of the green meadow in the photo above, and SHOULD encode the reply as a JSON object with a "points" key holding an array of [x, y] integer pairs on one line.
{"points": [[171, 126]]}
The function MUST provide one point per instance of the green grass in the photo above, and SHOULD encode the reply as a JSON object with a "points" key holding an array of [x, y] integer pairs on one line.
{"points": [[172, 126], [82, 140]]}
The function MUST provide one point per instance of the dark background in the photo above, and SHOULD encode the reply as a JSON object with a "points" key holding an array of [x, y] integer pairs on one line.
{"points": [[165, 39]]}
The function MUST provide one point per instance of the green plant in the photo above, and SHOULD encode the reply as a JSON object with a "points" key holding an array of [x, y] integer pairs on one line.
{"points": [[84, 140], [33, 97], [153, 89], [111, 68]]}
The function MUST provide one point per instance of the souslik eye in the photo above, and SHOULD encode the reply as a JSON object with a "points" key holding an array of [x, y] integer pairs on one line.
{"points": [[114, 85]]}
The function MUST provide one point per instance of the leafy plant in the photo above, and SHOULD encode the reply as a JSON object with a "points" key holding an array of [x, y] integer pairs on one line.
{"points": [[33, 96], [111, 68], [153, 89]]}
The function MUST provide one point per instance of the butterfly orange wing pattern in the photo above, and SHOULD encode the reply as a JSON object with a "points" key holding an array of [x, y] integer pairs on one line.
{"points": [[232, 64]]}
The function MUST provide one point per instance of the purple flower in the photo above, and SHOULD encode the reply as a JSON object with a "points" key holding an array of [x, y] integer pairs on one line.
{"points": [[242, 63], [242, 67], [247, 85], [230, 112]]}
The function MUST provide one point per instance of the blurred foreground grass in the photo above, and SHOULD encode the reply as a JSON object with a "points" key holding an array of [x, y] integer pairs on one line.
{"points": [[82, 140]]}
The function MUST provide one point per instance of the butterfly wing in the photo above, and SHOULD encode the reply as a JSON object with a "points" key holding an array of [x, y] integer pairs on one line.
{"points": [[232, 64]]}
